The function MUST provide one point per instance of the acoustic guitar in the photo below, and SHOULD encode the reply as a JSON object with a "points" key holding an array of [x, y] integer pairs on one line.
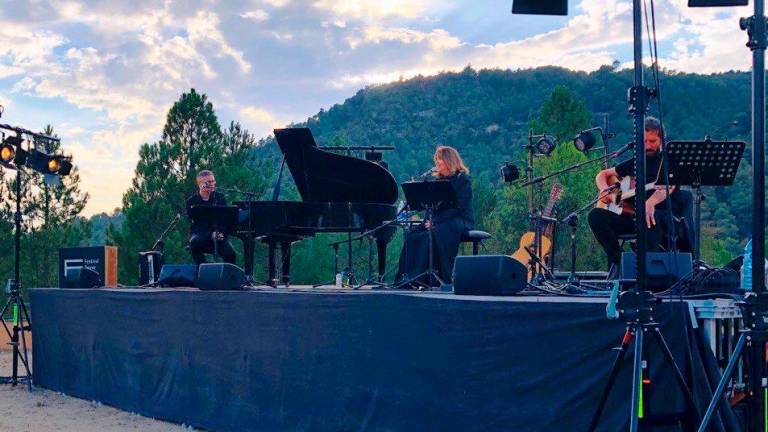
{"points": [[528, 240], [622, 199]]}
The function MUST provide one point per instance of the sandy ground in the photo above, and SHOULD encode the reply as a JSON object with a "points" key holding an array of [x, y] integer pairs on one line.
{"points": [[44, 411]]}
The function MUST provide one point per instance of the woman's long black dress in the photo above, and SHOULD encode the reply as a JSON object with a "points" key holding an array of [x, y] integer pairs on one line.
{"points": [[448, 226]]}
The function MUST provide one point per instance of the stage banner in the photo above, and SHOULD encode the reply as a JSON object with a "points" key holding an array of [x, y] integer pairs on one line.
{"points": [[101, 259]]}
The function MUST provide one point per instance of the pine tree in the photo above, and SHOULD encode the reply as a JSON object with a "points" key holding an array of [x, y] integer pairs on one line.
{"points": [[192, 140]]}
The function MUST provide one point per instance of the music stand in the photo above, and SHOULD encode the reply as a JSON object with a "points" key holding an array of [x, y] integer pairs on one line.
{"points": [[223, 219], [703, 163], [428, 196]]}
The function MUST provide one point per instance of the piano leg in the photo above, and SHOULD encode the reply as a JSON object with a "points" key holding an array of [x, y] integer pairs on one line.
{"points": [[381, 254], [285, 250], [272, 278], [248, 257]]}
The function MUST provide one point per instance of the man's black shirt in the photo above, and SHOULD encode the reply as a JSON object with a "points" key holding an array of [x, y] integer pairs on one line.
{"points": [[652, 165], [653, 173], [216, 199]]}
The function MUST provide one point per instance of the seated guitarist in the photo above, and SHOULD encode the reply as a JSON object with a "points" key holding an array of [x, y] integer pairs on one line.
{"points": [[608, 225]]}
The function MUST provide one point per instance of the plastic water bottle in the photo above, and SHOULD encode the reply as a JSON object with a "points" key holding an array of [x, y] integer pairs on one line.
{"points": [[746, 268], [339, 280]]}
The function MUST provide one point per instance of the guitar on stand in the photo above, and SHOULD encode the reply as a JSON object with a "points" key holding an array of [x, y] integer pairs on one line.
{"points": [[536, 245]]}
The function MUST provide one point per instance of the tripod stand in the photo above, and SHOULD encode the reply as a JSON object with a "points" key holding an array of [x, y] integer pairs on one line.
{"points": [[636, 308], [16, 304], [428, 196]]}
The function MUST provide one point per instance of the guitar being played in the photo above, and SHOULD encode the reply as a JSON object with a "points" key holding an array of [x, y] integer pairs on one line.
{"points": [[614, 214]]}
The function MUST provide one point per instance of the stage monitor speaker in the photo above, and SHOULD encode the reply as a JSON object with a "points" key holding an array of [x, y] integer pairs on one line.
{"points": [[82, 277], [492, 275], [663, 269], [717, 3], [540, 7], [220, 276], [178, 275]]}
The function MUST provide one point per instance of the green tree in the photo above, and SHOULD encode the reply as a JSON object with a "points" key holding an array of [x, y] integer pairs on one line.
{"points": [[192, 140]]}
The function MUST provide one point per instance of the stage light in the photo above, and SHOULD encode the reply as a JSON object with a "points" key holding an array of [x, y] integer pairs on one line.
{"points": [[509, 172], [546, 145], [584, 141], [54, 165], [45, 163], [11, 153], [7, 154]]}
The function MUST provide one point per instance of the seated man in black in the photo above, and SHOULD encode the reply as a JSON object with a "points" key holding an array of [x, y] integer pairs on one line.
{"points": [[607, 225], [203, 236]]}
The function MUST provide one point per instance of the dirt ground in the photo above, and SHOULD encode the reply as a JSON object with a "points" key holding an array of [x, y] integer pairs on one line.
{"points": [[47, 411]]}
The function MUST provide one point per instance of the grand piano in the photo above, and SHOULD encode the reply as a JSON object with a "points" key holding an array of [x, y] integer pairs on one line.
{"points": [[339, 194]]}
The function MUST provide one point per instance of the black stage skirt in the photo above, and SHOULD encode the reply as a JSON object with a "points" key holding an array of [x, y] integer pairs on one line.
{"points": [[414, 258]]}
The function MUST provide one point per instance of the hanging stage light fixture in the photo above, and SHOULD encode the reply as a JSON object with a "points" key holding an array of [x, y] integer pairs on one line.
{"points": [[45, 163], [545, 145], [509, 172], [585, 140], [11, 153]]}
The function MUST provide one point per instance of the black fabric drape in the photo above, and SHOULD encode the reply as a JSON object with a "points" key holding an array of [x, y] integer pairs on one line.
{"points": [[367, 361]]}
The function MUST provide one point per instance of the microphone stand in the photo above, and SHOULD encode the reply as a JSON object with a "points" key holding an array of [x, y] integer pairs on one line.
{"points": [[572, 220], [540, 179], [159, 245]]}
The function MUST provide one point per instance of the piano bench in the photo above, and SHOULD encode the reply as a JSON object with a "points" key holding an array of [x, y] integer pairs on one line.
{"points": [[475, 237]]}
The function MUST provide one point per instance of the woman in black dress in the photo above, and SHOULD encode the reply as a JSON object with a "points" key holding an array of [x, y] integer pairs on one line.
{"points": [[448, 224]]}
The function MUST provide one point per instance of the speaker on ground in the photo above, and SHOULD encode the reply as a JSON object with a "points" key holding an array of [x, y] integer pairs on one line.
{"points": [[496, 275], [178, 275], [220, 276]]}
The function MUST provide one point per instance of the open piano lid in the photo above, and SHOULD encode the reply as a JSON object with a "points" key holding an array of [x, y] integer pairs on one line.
{"points": [[323, 176]]}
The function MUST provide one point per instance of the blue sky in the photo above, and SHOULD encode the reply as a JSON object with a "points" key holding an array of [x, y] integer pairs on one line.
{"points": [[104, 73]]}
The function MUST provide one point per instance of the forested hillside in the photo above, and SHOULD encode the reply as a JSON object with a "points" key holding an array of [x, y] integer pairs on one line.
{"points": [[487, 115]]}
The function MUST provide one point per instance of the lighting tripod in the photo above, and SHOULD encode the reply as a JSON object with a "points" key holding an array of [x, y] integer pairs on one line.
{"points": [[15, 303]]}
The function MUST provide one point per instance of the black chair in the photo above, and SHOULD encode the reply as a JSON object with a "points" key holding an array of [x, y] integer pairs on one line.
{"points": [[475, 237]]}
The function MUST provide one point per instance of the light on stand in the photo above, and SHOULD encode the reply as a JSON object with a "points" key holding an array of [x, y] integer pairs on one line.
{"points": [[509, 172], [545, 145], [45, 163], [11, 153], [584, 141]]}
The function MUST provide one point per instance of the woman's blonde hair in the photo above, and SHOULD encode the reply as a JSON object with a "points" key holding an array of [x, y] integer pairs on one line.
{"points": [[451, 158]]}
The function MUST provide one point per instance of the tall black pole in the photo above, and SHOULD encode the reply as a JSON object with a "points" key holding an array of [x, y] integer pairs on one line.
{"points": [[757, 43], [638, 95], [17, 231], [16, 283]]}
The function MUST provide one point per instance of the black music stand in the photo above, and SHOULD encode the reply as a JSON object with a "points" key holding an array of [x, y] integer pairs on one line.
{"points": [[428, 196], [703, 163], [223, 219]]}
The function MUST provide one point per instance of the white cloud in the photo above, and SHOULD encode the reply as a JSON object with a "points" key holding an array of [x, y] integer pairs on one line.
{"points": [[260, 120], [373, 9], [256, 15], [437, 39]]}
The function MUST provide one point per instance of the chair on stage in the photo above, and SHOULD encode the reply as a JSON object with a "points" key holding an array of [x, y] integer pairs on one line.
{"points": [[476, 237]]}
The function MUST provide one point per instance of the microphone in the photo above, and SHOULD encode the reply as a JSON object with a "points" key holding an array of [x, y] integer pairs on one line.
{"points": [[427, 173], [622, 150]]}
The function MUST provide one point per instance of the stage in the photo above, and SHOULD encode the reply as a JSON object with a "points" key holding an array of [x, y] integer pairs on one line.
{"points": [[326, 359]]}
